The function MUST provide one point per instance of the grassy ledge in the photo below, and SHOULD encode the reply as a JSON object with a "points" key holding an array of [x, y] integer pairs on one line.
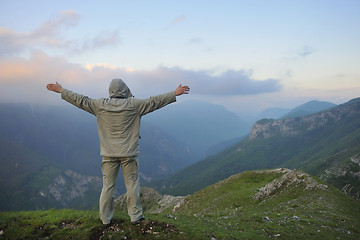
{"points": [[276, 204]]}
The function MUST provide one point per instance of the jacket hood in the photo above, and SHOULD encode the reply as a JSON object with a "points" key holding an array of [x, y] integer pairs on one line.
{"points": [[118, 89]]}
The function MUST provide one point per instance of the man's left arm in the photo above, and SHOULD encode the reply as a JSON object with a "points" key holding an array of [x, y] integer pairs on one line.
{"points": [[153, 103]]}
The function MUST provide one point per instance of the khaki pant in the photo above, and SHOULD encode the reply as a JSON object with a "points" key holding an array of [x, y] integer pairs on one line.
{"points": [[110, 169]]}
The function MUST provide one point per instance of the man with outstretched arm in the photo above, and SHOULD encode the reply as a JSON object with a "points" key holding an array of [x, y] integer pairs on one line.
{"points": [[118, 122]]}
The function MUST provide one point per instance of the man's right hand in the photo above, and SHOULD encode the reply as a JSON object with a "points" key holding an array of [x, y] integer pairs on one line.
{"points": [[182, 90], [54, 87]]}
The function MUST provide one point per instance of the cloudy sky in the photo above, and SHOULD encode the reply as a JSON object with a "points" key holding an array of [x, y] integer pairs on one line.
{"points": [[244, 55]]}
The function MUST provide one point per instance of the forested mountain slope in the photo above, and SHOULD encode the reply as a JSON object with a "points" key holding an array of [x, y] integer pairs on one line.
{"points": [[325, 144], [46, 150]]}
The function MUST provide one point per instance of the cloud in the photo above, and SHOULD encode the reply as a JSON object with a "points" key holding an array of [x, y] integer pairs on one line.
{"points": [[67, 18], [231, 82], [106, 39], [300, 53], [49, 35], [46, 35], [25, 80], [305, 51], [179, 19], [195, 40], [102, 40]]}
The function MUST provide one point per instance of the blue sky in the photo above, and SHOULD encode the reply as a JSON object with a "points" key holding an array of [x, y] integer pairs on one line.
{"points": [[244, 55]]}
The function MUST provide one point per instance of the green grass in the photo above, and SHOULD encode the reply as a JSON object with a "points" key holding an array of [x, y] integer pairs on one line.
{"points": [[225, 210], [291, 213], [75, 224]]}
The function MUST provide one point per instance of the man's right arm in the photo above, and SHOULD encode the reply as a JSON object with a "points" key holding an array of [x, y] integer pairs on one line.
{"points": [[80, 101], [75, 99]]}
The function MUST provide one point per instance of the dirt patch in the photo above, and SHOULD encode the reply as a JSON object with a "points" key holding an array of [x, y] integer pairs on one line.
{"points": [[148, 229], [155, 228]]}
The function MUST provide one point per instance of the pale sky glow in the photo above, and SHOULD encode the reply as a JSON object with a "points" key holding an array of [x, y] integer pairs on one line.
{"points": [[244, 55]]}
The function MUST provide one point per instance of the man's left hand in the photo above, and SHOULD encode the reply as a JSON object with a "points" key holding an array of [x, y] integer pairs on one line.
{"points": [[54, 87]]}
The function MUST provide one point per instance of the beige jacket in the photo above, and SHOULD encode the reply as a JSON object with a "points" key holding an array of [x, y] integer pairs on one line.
{"points": [[118, 117]]}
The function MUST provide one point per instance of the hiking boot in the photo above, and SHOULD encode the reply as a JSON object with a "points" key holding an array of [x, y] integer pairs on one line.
{"points": [[108, 224], [139, 220]]}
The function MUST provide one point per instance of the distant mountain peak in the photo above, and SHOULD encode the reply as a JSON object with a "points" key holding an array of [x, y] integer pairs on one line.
{"points": [[307, 108], [292, 126]]}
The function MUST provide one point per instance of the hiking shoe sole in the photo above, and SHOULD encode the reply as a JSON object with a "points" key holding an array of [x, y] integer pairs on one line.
{"points": [[142, 218]]}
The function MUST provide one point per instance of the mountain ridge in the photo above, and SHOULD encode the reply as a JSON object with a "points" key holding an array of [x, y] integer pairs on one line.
{"points": [[313, 143], [308, 108], [267, 127]]}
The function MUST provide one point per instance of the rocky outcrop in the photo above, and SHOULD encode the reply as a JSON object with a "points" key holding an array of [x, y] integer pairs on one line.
{"points": [[289, 179], [71, 185], [346, 177], [151, 201]]}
